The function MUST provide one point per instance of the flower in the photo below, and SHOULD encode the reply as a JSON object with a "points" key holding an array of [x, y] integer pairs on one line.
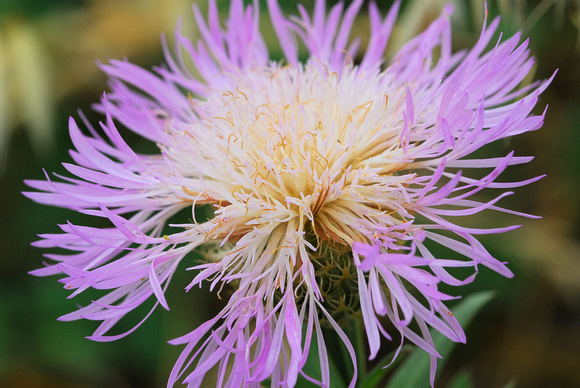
{"points": [[329, 180]]}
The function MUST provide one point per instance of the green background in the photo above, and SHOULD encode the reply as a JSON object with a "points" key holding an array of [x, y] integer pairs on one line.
{"points": [[530, 331]]}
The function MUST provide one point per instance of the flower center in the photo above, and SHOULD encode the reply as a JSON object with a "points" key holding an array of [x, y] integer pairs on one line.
{"points": [[299, 143]]}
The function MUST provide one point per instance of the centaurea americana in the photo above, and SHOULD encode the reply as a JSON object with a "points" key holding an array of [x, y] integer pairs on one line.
{"points": [[342, 161]]}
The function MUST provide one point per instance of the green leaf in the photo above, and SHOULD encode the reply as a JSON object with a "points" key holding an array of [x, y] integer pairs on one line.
{"points": [[414, 372], [376, 375], [461, 380], [510, 384], [312, 369]]}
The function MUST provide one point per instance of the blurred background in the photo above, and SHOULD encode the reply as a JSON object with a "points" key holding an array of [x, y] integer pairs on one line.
{"points": [[49, 50]]}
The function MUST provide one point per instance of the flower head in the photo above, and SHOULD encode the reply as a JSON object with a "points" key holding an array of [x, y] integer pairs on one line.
{"points": [[328, 181]]}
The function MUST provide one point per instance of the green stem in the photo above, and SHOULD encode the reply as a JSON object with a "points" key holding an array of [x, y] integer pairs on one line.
{"points": [[338, 355], [359, 347]]}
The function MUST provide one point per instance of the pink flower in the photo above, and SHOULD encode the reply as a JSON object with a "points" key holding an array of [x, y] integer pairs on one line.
{"points": [[343, 162]]}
